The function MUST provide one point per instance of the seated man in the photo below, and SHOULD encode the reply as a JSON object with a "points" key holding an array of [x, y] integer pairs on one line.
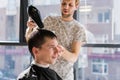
{"points": [[44, 49]]}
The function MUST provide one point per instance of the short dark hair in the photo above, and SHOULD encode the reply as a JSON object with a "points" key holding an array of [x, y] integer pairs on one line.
{"points": [[37, 38]]}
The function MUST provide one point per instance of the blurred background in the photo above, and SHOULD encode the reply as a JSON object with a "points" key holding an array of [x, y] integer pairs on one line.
{"points": [[100, 56]]}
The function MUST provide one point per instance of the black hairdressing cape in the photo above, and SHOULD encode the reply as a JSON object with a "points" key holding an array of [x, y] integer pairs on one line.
{"points": [[38, 73]]}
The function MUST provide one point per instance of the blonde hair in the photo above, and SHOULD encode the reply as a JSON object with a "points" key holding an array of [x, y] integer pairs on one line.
{"points": [[76, 2]]}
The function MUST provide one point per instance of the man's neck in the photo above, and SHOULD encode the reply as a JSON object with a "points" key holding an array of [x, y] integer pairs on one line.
{"points": [[67, 19], [40, 65]]}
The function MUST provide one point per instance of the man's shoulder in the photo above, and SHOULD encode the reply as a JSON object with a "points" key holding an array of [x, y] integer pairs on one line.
{"points": [[51, 18], [23, 74], [78, 24]]}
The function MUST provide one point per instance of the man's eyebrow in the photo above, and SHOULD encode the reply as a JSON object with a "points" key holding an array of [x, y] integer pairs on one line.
{"points": [[51, 45]]}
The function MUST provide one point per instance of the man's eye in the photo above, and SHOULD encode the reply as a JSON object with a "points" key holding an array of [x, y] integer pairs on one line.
{"points": [[51, 47], [63, 4], [70, 5]]}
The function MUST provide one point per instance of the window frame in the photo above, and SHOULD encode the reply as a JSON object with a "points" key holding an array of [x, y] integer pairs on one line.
{"points": [[23, 20], [101, 65]]}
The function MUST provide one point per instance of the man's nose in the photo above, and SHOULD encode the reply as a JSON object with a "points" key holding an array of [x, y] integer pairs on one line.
{"points": [[66, 6], [57, 50]]}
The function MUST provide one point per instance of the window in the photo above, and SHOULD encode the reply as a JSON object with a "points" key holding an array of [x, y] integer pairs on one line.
{"points": [[100, 20], [102, 24], [11, 6], [99, 67], [49, 7], [10, 21], [100, 17], [10, 30], [12, 49], [107, 16], [14, 59], [44, 2], [104, 17]]}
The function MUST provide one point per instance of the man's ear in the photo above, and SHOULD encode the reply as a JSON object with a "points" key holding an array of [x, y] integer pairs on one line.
{"points": [[35, 51], [77, 6]]}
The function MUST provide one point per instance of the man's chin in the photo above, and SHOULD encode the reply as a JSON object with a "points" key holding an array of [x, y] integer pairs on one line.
{"points": [[65, 15], [53, 62]]}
